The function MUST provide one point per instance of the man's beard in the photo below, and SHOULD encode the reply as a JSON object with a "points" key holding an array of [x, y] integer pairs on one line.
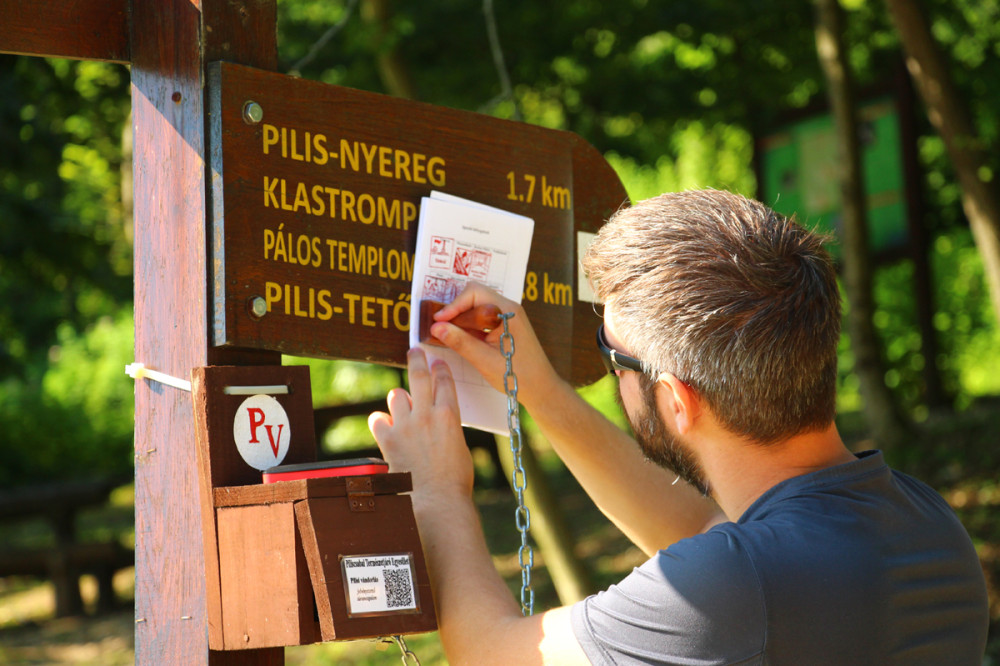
{"points": [[658, 444]]}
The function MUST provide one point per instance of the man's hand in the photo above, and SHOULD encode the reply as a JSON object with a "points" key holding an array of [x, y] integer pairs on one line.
{"points": [[535, 374], [478, 619], [422, 433]]}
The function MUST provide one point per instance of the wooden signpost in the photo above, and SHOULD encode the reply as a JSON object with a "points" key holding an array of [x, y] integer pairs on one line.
{"points": [[227, 161], [316, 199]]}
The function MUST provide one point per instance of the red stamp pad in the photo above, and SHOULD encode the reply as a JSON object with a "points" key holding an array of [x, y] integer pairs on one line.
{"points": [[326, 468]]}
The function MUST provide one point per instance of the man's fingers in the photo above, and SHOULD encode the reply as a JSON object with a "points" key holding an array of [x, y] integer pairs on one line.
{"points": [[473, 295], [444, 386], [399, 402], [466, 300], [420, 377], [481, 354], [379, 423]]}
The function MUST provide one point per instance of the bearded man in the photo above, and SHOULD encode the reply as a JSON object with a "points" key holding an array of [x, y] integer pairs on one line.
{"points": [[769, 542]]}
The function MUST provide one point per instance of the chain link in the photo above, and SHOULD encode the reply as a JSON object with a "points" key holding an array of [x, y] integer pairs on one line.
{"points": [[408, 656], [522, 518]]}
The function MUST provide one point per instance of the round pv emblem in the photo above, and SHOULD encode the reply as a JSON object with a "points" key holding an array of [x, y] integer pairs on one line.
{"points": [[261, 431]]}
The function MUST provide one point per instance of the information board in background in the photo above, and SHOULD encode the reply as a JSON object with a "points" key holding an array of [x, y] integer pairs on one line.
{"points": [[316, 192], [798, 165]]}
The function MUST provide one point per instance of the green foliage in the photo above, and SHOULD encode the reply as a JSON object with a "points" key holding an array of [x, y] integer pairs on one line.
{"points": [[718, 156], [895, 321], [77, 421], [65, 271], [620, 74], [966, 329], [64, 254], [968, 32], [966, 325]]}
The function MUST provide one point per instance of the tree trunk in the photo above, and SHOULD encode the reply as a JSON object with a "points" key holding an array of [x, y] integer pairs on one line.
{"points": [[952, 120], [883, 416], [391, 66]]}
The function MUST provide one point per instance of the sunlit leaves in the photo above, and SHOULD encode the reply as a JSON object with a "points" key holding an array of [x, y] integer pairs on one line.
{"points": [[603, 40], [718, 156], [76, 419], [61, 237], [969, 333], [345, 382]]}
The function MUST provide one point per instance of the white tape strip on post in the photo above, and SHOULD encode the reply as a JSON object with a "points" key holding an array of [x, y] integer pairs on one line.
{"points": [[139, 371]]}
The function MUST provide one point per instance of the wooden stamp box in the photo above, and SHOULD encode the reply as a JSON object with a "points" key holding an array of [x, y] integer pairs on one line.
{"points": [[295, 562]]}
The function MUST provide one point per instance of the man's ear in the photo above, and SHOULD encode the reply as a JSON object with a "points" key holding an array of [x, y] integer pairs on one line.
{"points": [[681, 403]]}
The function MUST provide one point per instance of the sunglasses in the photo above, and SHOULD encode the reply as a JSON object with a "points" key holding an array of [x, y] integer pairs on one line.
{"points": [[614, 360]]}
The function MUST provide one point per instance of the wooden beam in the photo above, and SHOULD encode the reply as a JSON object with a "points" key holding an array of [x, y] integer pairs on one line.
{"points": [[171, 40], [83, 29]]}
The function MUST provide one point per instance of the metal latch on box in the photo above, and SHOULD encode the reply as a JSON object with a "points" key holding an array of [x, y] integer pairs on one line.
{"points": [[360, 496]]}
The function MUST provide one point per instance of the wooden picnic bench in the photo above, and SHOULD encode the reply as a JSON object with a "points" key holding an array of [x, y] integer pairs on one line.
{"points": [[67, 558]]}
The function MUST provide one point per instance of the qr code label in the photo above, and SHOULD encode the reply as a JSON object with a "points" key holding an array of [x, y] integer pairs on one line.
{"points": [[379, 584], [398, 588]]}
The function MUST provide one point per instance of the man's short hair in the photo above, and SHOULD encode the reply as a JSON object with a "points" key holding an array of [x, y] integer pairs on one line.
{"points": [[734, 299]]}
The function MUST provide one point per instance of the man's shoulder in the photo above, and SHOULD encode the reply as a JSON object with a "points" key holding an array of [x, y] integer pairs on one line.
{"points": [[722, 548], [698, 597], [711, 576]]}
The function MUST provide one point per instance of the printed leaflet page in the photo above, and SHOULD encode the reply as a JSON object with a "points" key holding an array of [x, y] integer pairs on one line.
{"points": [[457, 241]]}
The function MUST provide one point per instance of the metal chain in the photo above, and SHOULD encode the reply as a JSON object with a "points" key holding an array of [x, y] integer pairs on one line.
{"points": [[408, 656], [522, 519]]}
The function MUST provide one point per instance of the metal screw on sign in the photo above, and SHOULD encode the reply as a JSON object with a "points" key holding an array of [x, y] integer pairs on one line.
{"points": [[253, 113], [258, 307], [522, 518]]}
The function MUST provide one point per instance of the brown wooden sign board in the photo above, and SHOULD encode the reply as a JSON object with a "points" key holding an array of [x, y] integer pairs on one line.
{"points": [[85, 29], [316, 196]]}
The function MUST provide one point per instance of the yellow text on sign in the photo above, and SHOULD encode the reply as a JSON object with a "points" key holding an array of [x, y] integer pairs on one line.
{"points": [[550, 291], [352, 155], [549, 195], [311, 303]]}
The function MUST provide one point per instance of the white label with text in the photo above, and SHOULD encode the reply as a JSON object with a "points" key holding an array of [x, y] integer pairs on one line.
{"points": [[376, 584]]}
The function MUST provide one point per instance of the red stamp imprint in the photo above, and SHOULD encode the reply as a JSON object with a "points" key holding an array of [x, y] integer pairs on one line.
{"points": [[441, 250]]}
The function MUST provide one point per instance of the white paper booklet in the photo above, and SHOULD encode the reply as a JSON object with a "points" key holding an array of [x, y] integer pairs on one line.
{"points": [[457, 241]]}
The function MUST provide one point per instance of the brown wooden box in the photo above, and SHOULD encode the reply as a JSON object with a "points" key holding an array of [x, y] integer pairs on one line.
{"points": [[267, 598], [276, 553], [280, 552]]}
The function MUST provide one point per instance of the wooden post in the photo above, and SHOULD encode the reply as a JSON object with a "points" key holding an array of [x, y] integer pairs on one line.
{"points": [[171, 40]]}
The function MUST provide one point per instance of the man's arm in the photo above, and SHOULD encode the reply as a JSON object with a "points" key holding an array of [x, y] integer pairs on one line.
{"points": [[641, 498], [479, 621]]}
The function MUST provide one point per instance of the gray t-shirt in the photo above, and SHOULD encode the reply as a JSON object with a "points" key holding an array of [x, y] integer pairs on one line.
{"points": [[855, 564]]}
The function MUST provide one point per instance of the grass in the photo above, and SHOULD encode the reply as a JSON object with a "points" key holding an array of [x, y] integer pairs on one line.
{"points": [[956, 453]]}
